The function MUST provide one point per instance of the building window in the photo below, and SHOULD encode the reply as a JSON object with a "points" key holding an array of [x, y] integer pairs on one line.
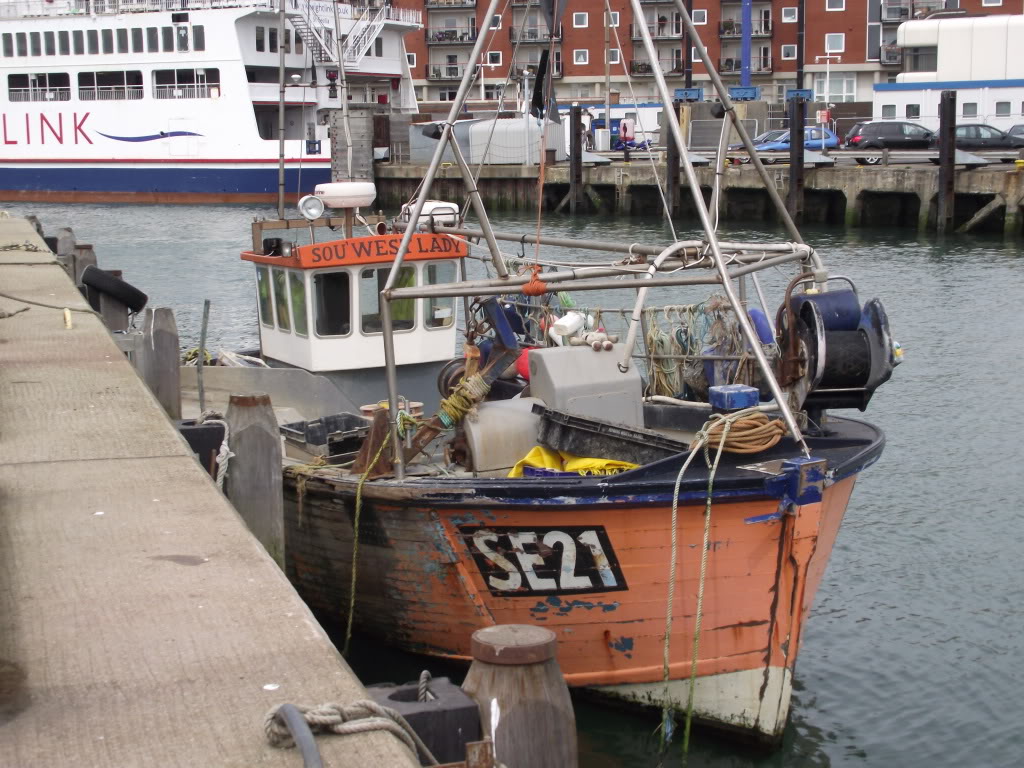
{"points": [[888, 111], [699, 16], [842, 86], [439, 312], [446, 94], [496, 21], [493, 92], [138, 41], [789, 15], [333, 304], [580, 20], [913, 112], [991, 2], [1002, 108], [371, 283], [835, 5], [613, 56], [920, 59], [788, 52], [494, 58], [970, 109], [835, 43], [411, 59], [581, 56], [261, 43], [199, 38], [612, 20]]}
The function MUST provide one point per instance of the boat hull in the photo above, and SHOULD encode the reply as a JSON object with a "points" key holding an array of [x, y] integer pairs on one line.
{"points": [[424, 585]]}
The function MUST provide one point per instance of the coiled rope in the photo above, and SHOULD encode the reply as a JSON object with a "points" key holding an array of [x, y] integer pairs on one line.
{"points": [[461, 401], [423, 692], [718, 429], [224, 453], [359, 717]]}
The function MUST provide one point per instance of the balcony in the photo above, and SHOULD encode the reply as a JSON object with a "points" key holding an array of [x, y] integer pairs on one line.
{"points": [[659, 31], [555, 69], [446, 71], [451, 36], [646, 69], [533, 35], [892, 54], [734, 28], [449, 4], [525, 2], [759, 65]]}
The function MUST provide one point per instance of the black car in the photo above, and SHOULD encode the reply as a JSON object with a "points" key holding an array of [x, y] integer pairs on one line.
{"points": [[1017, 130], [886, 134], [975, 136]]}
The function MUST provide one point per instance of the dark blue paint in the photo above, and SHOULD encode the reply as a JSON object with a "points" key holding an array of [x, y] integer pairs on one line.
{"points": [[622, 644], [949, 85], [182, 179], [763, 518], [567, 606], [153, 137]]}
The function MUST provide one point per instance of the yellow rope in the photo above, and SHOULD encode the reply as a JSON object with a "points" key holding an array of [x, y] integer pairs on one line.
{"points": [[355, 543], [302, 473], [460, 402]]}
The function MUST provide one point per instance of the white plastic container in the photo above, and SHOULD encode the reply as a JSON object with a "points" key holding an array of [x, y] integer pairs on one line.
{"points": [[571, 323], [444, 213], [346, 194]]}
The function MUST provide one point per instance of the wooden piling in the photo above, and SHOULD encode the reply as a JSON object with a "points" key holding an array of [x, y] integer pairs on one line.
{"points": [[672, 160], [524, 702], [947, 153], [159, 359], [254, 475], [575, 159], [795, 198]]}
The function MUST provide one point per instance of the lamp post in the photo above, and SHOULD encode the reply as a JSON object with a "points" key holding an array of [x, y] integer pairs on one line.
{"points": [[828, 86]]}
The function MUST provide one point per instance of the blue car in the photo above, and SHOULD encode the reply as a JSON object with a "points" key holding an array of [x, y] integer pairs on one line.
{"points": [[815, 137]]}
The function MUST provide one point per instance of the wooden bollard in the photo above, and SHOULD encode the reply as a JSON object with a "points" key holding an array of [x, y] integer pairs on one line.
{"points": [[159, 359], [254, 475], [524, 702]]}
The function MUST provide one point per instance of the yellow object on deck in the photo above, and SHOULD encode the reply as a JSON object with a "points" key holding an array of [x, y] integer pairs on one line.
{"points": [[540, 457]]}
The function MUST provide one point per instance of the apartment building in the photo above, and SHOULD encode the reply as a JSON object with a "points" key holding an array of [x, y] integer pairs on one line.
{"points": [[849, 45]]}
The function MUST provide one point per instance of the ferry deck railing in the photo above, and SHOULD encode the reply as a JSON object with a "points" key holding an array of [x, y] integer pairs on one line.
{"points": [[13, 9]]}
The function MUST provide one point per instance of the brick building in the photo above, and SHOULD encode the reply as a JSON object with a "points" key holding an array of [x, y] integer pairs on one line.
{"points": [[851, 40]]}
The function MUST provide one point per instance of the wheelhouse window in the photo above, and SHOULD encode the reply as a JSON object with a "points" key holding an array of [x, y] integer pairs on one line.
{"points": [[297, 284], [110, 86], [186, 83], [332, 293], [371, 283], [263, 295], [41, 86], [281, 300], [439, 312]]}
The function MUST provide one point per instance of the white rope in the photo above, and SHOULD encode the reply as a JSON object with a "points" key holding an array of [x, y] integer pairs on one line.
{"points": [[359, 717], [224, 454]]}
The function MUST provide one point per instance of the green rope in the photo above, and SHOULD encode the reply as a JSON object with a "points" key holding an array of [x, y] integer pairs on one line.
{"points": [[466, 395], [355, 544]]}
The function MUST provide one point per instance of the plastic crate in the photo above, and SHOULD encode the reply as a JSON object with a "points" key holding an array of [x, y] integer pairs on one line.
{"points": [[337, 438], [591, 438]]}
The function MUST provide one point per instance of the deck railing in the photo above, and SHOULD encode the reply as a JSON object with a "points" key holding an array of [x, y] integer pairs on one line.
{"points": [[13, 9], [112, 93], [39, 94], [186, 91]]}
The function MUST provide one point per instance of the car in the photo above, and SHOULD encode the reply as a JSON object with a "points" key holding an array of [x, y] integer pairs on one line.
{"points": [[978, 136], [762, 138], [886, 134], [815, 137], [1017, 130]]}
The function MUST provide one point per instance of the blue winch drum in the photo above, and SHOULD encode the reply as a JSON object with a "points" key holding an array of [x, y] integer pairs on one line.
{"points": [[840, 310]]}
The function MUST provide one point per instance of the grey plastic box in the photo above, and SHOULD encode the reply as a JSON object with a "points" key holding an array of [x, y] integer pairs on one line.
{"points": [[583, 382]]}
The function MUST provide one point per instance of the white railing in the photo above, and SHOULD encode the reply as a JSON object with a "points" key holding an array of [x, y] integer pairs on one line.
{"points": [[39, 94], [111, 93], [186, 91], [13, 9]]}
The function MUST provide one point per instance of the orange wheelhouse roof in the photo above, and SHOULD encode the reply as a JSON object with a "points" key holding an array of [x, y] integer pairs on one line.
{"points": [[373, 249]]}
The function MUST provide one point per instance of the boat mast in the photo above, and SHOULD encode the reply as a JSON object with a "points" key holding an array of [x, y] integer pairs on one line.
{"points": [[280, 110], [747, 328]]}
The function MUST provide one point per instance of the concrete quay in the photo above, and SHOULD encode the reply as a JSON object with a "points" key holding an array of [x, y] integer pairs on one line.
{"points": [[987, 199], [141, 624]]}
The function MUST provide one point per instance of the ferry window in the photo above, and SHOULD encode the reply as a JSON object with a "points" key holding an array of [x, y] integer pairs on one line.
{"points": [[281, 300], [49, 43], [182, 38], [260, 42], [93, 38], [920, 59], [186, 83], [1002, 108], [108, 40], [287, 41], [888, 111], [297, 283], [333, 304], [41, 86], [439, 312], [34, 44], [8, 44], [167, 39], [78, 40], [272, 39], [64, 43], [22, 40], [122, 41], [378, 47], [199, 38], [137, 40], [913, 112], [263, 294], [298, 42], [371, 283], [970, 109], [152, 40]]}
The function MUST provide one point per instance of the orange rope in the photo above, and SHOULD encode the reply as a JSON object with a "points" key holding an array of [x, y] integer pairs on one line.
{"points": [[536, 286]]}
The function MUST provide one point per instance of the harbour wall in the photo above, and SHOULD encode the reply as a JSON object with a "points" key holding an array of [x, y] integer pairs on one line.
{"points": [[987, 199]]}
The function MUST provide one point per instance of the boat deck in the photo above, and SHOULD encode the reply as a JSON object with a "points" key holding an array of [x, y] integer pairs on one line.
{"points": [[140, 622]]}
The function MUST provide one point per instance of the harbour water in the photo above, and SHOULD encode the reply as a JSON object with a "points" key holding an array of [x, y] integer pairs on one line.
{"points": [[911, 656]]}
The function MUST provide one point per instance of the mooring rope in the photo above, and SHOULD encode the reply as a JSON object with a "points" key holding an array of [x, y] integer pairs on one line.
{"points": [[467, 394], [361, 716]]}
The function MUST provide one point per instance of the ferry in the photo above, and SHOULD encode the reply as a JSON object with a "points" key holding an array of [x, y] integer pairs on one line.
{"points": [[178, 100]]}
